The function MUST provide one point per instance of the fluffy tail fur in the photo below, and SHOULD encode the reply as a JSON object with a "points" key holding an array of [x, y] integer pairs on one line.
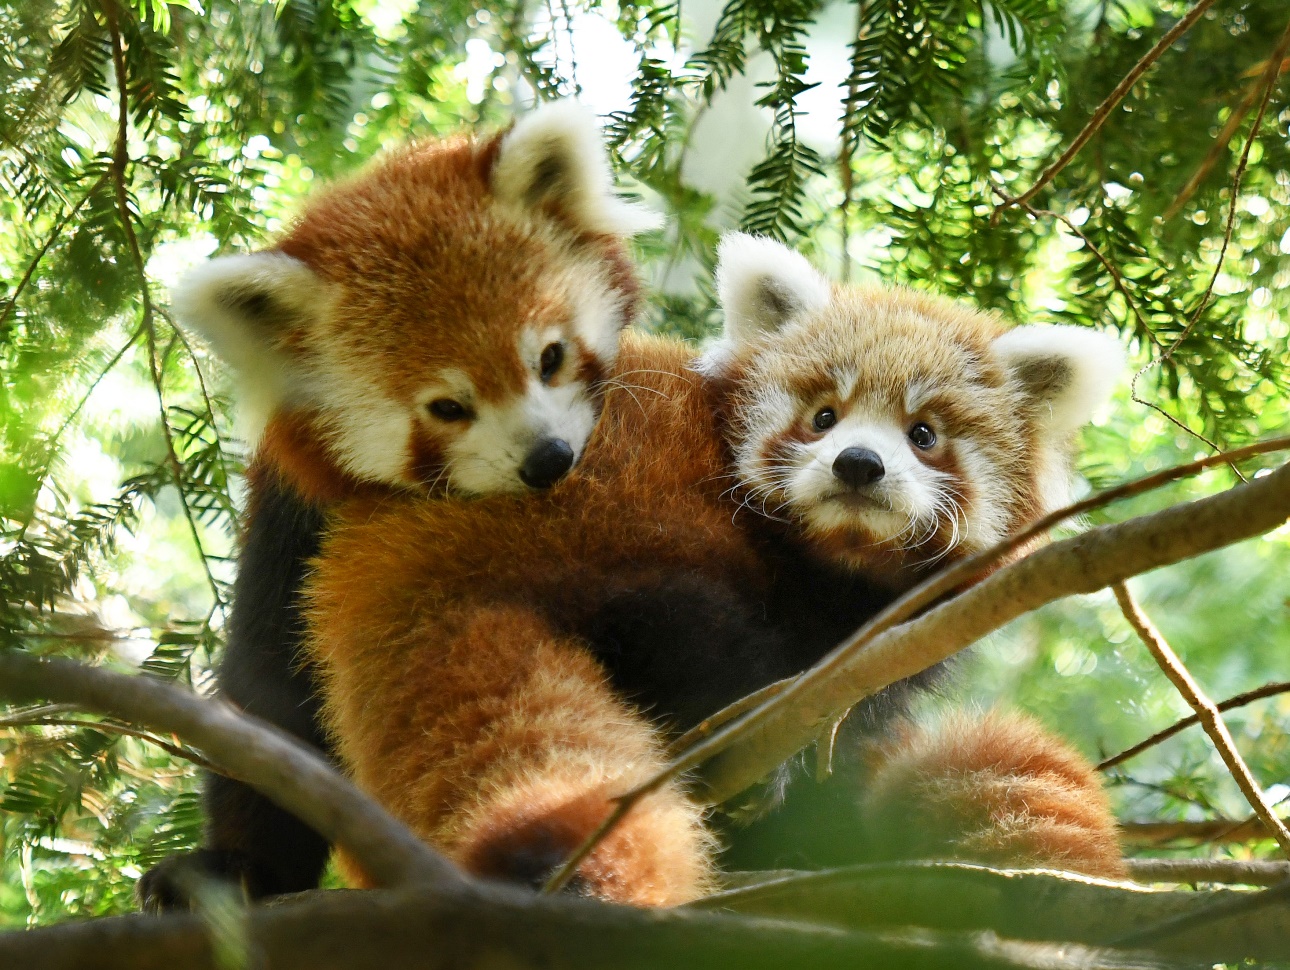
{"points": [[500, 742], [991, 788]]}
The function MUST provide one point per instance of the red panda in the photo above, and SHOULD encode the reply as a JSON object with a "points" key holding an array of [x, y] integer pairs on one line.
{"points": [[478, 677], [441, 322]]}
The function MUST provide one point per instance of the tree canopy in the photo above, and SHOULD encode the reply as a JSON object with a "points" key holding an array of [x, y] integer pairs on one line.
{"points": [[889, 140]]}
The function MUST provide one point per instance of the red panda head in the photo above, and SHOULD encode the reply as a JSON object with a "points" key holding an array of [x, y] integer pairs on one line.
{"points": [[444, 318], [895, 428]]}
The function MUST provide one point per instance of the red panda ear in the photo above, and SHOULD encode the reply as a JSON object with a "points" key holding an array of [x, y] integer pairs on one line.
{"points": [[763, 285], [247, 308], [1066, 373], [554, 160]]}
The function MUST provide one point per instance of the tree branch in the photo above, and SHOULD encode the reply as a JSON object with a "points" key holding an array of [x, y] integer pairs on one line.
{"points": [[488, 927], [1024, 904], [1216, 831], [1243, 872], [273, 763], [1240, 700], [1108, 105], [1205, 709]]}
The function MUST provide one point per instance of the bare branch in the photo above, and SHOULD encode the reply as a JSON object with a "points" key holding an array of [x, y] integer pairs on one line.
{"points": [[1242, 872], [1025, 904], [1107, 106], [1240, 700], [1219, 831], [275, 764], [489, 927], [1205, 709]]}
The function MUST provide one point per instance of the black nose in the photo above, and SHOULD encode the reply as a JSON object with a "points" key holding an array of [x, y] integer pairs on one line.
{"points": [[858, 467], [547, 463]]}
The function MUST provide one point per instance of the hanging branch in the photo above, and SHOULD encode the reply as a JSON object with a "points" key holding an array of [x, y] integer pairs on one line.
{"points": [[1107, 106], [1206, 711], [276, 765], [1240, 700]]}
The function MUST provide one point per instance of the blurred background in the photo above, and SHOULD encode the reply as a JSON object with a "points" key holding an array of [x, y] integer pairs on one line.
{"points": [[874, 135]]}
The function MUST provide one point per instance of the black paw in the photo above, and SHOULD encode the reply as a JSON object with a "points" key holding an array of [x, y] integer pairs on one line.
{"points": [[174, 884]]}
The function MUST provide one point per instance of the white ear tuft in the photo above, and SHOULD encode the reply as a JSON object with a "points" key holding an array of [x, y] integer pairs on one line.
{"points": [[242, 306], [763, 285], [1067, 372], [555, 156]]}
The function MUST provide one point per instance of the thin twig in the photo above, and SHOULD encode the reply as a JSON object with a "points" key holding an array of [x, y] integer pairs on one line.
{"points": [[1205, 709], [206, 397], [118, 170], [1240, 700], [1243, 872], [1215, 152], [1216, 831], [1108, 105], [1268, 84], [179, 751], [49, 241], [1109, 266], [270, 761], [1127, 548], [728, 713], [51, 446]]}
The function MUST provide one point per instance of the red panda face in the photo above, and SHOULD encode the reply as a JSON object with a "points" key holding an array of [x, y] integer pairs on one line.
{"points": [[444, 319], [892, 428]]}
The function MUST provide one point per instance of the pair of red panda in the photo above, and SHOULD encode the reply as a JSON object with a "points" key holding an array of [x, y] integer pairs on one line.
{"points": [[448, 322]]}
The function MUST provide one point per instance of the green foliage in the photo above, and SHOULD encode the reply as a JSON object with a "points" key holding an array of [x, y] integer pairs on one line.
{"points": [[119, 467]]}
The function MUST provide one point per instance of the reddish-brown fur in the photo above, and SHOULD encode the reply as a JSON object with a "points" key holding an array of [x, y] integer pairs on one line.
{"points": [[450, 692], [996, 789]]}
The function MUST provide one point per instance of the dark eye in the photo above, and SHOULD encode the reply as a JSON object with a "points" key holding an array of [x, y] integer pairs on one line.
{"points": [[551, 360], [446, 409], [922, 435], [824, 419]]}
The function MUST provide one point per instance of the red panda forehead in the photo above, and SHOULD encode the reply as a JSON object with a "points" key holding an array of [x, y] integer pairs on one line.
{"points": [[888, 349]]}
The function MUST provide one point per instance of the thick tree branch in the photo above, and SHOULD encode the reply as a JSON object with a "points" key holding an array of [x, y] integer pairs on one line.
{"points": [[487, 928], [1205, 709], [247, 749], [1035, 904]]}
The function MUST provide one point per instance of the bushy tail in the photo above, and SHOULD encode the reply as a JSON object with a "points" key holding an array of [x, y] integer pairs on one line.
{"points": [[501, 743], [994, 788]]}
